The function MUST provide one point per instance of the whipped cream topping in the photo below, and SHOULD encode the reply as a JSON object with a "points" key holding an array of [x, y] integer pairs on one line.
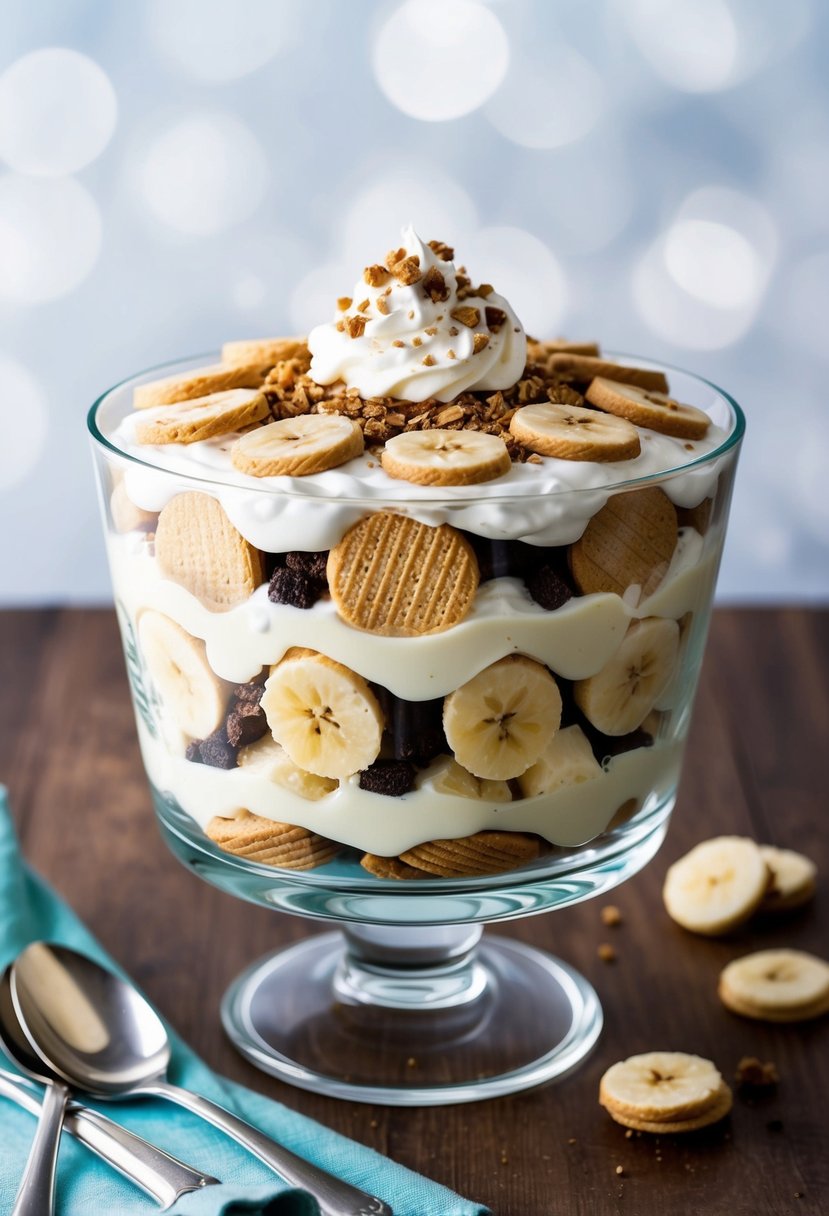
{"points": [[408, 334]]}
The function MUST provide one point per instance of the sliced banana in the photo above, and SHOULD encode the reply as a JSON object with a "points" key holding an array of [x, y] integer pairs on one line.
{"points": [[661, 1086], [445, 458], [446, 776], [619, 698], [776, 986], [793, 879], [192, 693], [567, 760], [717, 886], [500, 721], [266, 758], [572, 433], [324, 715], [297, 447]]}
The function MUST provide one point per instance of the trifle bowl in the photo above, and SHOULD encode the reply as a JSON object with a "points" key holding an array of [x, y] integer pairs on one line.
{"points": [[413, 612]]}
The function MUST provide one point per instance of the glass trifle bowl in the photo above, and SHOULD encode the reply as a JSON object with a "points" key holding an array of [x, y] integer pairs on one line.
{"points": [[408, 707]]}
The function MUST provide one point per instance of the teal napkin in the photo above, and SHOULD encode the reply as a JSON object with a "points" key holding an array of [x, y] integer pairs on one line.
{"points": [[30, 911]]}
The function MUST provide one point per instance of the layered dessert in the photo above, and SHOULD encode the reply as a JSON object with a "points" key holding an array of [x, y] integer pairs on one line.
{"points": [[417, 591]]}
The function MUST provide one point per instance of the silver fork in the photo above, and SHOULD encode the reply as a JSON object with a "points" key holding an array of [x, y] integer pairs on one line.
{"points": [[161, 1175]]}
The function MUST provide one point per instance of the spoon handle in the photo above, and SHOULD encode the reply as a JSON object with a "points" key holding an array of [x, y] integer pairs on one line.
{"points": [[162, 1176], [36, 1193], [335, 1197]]}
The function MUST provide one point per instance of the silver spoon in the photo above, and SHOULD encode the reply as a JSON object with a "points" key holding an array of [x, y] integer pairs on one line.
{"points": [[36, 1193], [98, 1034]]}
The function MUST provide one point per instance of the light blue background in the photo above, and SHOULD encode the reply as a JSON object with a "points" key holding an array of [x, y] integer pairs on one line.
{"points": [[673, 201]]}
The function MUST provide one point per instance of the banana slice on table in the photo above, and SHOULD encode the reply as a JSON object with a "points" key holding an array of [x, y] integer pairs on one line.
{"points": [[324, 715], [500, 721], [192, 693], [448, 777], [717, 886], [793, 879], [776, 986], [665, 1091], [572, 433], [266, 758], [568, 760], [445, 458], [297, 447], [619, 698]]}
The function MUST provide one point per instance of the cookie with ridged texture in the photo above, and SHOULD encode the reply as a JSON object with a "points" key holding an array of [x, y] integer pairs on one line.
{"points": [[664, 1087], [395, 576], [198, 547], [586, 367], [201, 382], [268, 843], [262, 352], [649, 408], [571, 433], [202, 417], [629, 542], [389, 867], [298, 447], [469, 856]]}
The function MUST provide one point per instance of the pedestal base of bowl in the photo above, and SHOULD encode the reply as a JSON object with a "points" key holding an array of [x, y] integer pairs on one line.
{"points": [[407, 1016]]}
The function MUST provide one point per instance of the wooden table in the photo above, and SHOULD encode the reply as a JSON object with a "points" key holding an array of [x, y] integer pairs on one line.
{"points": [[756, 765]]}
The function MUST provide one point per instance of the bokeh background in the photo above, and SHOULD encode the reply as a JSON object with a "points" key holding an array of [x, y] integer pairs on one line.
{"points": [[174, 173]]}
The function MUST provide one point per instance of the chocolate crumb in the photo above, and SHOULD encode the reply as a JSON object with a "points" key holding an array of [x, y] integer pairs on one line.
{"points": [[445, 252], [311, 564], [435, 286], [246, 723], [192, 753], [217, 751], [753, 1074], [495, 317], [290, 587], [390, 777], [547, 588]]}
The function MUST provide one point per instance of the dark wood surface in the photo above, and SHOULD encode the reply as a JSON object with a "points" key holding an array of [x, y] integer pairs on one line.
{"points": [[756, 765]]}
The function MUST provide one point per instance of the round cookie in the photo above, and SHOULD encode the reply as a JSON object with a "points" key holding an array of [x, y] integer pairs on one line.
{"points": [[201, 382], [202, 417], [665, 1091], [585, 367], [776, 986], [395, 576], [793, 879], [198, 547], [654, 410], [268, 843], [483, 853], [629, 542]]}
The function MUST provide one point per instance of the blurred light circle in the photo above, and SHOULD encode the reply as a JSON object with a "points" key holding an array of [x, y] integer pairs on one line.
{"points": [[50, 237], [204, 174], [214, 41], [692, 45], [522, 269], [58, 111], [713, 262], [548, 107], [702, 281], [314, 299], [417, 193], [23, 419], [437, 60]]}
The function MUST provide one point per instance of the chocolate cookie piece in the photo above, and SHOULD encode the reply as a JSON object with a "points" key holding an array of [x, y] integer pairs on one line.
{"points": [[548, 588], [390, 777], [290, 587], [217, 751]]}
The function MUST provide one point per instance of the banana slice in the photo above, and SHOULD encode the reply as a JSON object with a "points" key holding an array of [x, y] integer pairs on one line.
{"points": [[665, 1092], [297, 447], [648, 408], [194, 696], [619, 698], [202, 417], [445, 458], [776, 986], [793, 879], [448, 777], [324, 715], [500, 722], [572, 433], [568, 760], [717, 886], [266, 758]]}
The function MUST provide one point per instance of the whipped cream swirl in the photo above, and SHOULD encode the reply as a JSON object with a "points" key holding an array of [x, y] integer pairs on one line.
{"points": [[407, 334]]}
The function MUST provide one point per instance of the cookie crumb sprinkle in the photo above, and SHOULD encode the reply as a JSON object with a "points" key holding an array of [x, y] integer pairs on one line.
{"points": [[606, 953], [611, 916]]}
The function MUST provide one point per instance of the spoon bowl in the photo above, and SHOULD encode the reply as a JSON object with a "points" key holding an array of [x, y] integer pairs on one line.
{"points": [[96, 1032]]}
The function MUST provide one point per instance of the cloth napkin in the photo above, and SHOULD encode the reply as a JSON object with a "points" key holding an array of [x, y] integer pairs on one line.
{"points": [[31, 911]]}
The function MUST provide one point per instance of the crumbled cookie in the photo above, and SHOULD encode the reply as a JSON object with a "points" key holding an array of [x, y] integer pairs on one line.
{"points": [[548, 588], [394, 778], [291, 587]]}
